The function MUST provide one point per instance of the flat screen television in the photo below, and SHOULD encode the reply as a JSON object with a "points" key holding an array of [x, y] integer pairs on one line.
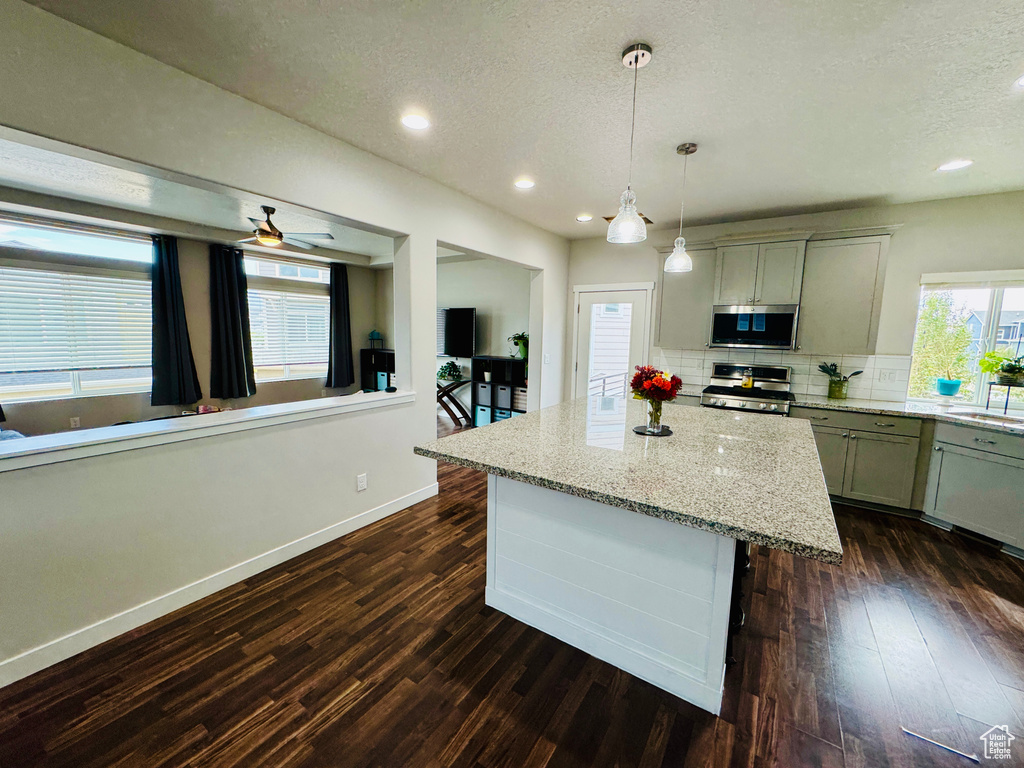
{"points": [[456, 332]]}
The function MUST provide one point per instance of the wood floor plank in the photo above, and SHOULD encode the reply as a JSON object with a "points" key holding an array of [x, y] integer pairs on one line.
{"points": [[377, 650]]}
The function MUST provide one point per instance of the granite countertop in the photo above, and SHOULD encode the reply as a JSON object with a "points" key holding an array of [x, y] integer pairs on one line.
{"points": [[952, 414], [752, 477]]}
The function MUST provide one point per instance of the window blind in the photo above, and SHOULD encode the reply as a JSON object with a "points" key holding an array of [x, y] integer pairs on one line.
{"points": [[288, 328], [67, 321]]}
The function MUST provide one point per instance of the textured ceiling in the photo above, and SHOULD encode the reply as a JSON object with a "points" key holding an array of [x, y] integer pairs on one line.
{"points": [[797, 104], [43, 171]]}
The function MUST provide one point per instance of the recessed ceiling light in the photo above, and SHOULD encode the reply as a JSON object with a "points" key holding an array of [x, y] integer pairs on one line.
{"points": [[416, 122], [955, 165], [1019, 83], [524, 183], [584, 217]]}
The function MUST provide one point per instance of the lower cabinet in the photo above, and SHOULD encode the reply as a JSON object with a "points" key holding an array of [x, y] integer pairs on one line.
{"points": [[867, 466], [977, 490]]}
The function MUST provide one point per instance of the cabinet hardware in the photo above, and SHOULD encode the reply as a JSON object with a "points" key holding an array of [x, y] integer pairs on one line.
{"points": [[982, 440], [853, 437], [819, 418], [883, 424], [846, 434], [938, 447]]}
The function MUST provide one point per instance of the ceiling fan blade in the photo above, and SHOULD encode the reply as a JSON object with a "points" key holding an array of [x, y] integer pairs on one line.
{"points": [[646, 220], [300, 243], [313, 235], [260, 224], [247, 240]]}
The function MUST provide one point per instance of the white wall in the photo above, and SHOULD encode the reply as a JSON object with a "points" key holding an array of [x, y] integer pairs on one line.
{"points": [[960, 234], [68, 84]]}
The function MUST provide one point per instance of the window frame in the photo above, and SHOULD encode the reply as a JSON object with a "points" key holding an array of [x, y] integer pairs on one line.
{"points": [[72, 263], [286, 285], [996, 283]]}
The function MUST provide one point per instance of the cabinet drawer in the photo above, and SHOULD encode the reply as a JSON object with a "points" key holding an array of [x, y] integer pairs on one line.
{"points": [[862, 422], [981, 440]]}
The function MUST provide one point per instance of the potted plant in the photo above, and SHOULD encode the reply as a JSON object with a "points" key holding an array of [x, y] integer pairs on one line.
{"points": [[656, 387], [450, 371], [1009, 371], [522, 342], [838, 385]]}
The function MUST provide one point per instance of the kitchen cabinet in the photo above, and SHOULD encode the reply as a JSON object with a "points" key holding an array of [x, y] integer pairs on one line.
{"points": [[842, 295], [684, 309], [760, 273], [979, 490], [864, 456]]}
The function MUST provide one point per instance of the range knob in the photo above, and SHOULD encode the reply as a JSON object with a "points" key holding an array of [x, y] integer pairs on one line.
{"points": [[763, 406], [742, 405], [774, 408]]}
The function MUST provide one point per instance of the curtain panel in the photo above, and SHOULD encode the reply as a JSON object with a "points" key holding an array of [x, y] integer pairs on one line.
{"points": [[231, 370], [175, 381], [340, 370]]}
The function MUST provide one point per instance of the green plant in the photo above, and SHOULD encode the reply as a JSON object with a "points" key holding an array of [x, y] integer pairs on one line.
{"points": [[520, 337], [996, 363], [450, 370], [834, 374]]}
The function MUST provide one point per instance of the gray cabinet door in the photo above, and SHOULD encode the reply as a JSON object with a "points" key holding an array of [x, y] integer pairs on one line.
{"points": [[832, 446], [736, 274], [684, 304], [880, 468], [842, 295], [780, 271], [980, 491]]}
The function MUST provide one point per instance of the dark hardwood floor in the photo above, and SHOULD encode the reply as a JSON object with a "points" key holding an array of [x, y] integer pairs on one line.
{"points": [[377, 650]]}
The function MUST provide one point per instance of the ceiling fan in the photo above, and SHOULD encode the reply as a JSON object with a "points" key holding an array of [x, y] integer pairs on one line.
{"points": [[267, 234]]}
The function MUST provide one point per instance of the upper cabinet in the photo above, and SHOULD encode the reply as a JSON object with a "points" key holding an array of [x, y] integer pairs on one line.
{"points": [[842, 295], [760, 273], [684, 312]]}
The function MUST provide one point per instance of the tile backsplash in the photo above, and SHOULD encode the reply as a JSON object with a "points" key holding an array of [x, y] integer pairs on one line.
{"points": [[885, 377]]}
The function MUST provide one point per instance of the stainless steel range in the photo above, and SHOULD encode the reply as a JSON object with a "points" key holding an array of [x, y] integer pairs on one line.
{"points": [[769, 393]]}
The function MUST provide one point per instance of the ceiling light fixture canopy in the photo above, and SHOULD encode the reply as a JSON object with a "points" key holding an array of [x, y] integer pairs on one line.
{"points": [[583, 218], [679, 260], [415, 122], [955, 165], [627, 226], [524, 183]]}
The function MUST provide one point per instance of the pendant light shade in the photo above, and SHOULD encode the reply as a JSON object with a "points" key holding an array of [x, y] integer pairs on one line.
{"points": [[679, 260], [627, 227]]}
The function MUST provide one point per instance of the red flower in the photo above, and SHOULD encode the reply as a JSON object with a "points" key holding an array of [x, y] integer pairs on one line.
{"points": [[649, 383]]}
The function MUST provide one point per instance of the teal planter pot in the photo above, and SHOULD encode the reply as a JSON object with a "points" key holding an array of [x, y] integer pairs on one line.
{"points": [[947, 387]]}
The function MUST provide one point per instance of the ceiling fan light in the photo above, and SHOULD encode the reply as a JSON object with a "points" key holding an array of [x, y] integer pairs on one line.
{"points": [[679, 260], [627, 226], [267, 238]]}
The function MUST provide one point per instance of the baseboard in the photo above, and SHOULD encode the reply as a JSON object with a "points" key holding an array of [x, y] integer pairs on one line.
{"points": [[43, 656]]}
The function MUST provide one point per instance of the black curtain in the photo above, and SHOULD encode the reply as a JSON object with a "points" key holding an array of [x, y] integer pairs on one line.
{"points": [[231, 371], [340, 371], [174, 369]]}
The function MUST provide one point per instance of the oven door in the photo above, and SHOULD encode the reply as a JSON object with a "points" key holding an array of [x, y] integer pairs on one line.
{"points": [[770, 326]]}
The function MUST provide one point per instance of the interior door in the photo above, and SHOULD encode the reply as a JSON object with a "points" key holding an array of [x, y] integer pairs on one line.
{"points": [[611, 339]]}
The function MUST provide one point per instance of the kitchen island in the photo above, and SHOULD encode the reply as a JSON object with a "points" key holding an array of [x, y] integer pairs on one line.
{"points": [[624, 546]]}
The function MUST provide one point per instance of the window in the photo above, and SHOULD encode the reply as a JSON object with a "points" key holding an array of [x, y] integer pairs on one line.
{"points": [[289, 319], [75, 312], [956, 325]]}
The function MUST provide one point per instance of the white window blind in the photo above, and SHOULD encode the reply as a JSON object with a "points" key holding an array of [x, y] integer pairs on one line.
{"points": [[288, 328], [69, 321]]}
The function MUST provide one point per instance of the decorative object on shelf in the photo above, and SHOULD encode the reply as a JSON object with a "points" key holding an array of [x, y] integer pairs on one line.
{"points": [[947, 387], [1009, 371], [376, 340], [679, 260], [450, 371], [838, 385], [657, 388], [522, 342], [628, 226]]}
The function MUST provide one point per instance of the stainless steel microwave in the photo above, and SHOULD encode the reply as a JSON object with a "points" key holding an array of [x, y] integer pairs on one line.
{"points": [[771, 326]]}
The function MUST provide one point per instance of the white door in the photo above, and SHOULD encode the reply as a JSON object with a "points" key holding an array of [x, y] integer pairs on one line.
{"points": [[611, 339]]}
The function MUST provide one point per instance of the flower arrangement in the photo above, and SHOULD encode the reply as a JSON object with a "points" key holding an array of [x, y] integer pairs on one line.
{"points": [[656, 387]]}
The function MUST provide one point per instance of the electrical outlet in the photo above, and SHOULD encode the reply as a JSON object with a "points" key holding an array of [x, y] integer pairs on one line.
{"points": [[361, 482], [76, 422], [547, 358], [886, 375], [323, 393]]}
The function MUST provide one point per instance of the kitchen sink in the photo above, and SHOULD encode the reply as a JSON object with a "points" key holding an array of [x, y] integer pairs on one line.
{"points": [[996, 419]]}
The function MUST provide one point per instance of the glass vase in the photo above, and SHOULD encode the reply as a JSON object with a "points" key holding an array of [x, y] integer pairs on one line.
{"points": [[654, 417], [837, 389]]}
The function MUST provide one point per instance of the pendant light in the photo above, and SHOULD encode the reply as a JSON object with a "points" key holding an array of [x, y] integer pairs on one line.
{"points": [[679, 260], [627, 226]]}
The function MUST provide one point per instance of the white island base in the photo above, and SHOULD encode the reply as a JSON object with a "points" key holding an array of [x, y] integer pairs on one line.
{"points": [[649, 596]]}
